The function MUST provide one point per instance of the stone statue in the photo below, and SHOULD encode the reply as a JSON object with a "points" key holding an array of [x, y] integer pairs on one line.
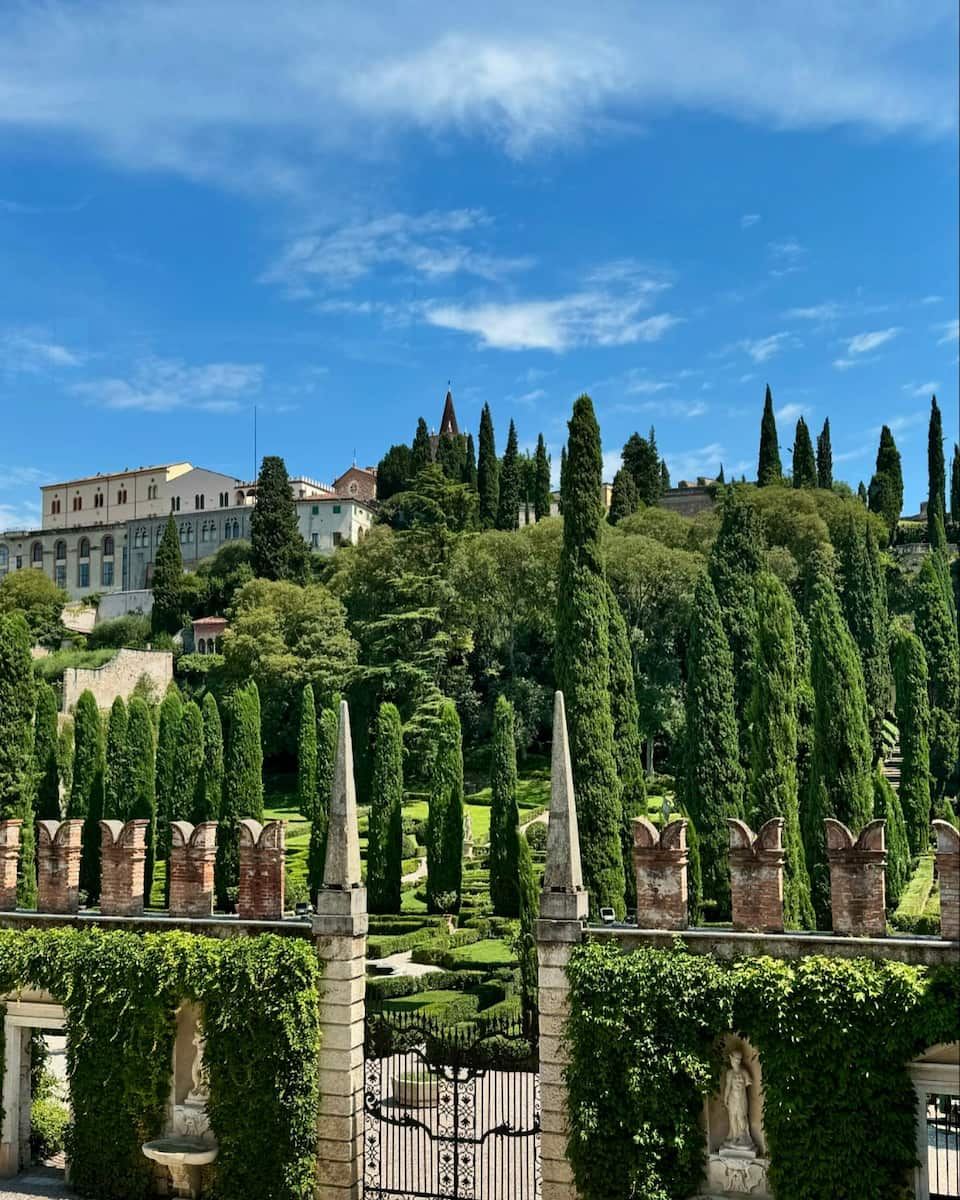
{"points": [[665, 810], [200, 1091], [736, 1101]]}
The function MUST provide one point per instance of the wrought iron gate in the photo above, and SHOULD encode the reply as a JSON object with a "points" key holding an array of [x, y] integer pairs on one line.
{"points": [[943, 1146], [450, 1111]]}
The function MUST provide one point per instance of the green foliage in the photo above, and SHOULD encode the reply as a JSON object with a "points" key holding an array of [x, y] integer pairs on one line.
{"points": [[834, 1036], [469, 476], [582, 663], [624, 499], [307, 754], [642, 462], [278, 550], [242, 787], [385, 838], [525, 943], [259, 998], [187, 794], [772, 781], [955, 485], [712, 778], [65, 749], [937, 631], [115, 766], [221, 577], [885, 494], [445, 822], [168, 744], [508, 503], [327, 729], [140, 790], [38, 599], [210, 794], [46, 755], [804, 464], [488, 472], [420, 454], [769, 468], [393, 471], [433, 501], [541, 494], [824, 457], [627, 748], [86, 795], [504, 813], [913, 721], [49, 1122], [886, 807], [451, 455], [17, 775], [167, 613], [937, 482], [52, 667], [130, 630]]}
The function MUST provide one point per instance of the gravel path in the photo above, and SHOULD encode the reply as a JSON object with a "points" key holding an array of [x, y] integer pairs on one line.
{"points": [[38, 1182]]}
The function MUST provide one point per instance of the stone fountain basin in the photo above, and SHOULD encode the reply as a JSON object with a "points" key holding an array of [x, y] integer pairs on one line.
{"points": [[180, 1151]]}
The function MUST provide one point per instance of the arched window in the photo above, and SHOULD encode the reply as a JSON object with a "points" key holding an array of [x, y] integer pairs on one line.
{"points": [[236, 529], [183, 535], [240, 497], [226, 531], [36, 554], [84, 548], [60, 551], [201, 646], [189, 533], [107, 547]]}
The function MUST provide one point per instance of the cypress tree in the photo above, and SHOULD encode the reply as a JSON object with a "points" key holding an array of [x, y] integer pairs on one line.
{"points": [[188, 766], [508, 504], [307, 756], [525, 946], [541, 495], [712, 788], [115, 772], [865, 609], [772, 782], [242, 787], [936, 472], [955, 486], [445, 819], [769, 468], [841, 783], [17, 778], [211, 793], [665, 477], [166, 615], [277, 549], [488, 472], [862, 494], [563, 472], [913, 720], [86, 795], [327, 729], [45, 754], [641, 459], [65, 755], [627, 746], [385, 844], [824, 457], [168, 746], [804, 464], [886, 807], [140, 793], [451, 456], [469, 476], [393, 471], [504, 813], [885, 494], [624, 500], [420, 453], [806, 707], [936, 630], [582, 662]]}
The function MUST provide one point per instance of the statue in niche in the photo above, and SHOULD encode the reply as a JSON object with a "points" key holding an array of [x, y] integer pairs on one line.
{"points": [[736, 1101], [200, 1090]]}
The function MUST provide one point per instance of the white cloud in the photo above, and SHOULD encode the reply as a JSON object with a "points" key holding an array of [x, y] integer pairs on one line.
{"points": [[785, 256], [32, 350], [844, 364], [931, 299], [612, 462], [949, 331], [921, 389], [761, 349], [863, 343], [829, 310], [748, 220], [688, 464], [161, 385], [25, 515], [530, 397], [787, 414]]}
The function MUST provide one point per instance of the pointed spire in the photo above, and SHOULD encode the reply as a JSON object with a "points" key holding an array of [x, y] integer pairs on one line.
{"points": [[448, 422], [341, 868], [563, 897]]}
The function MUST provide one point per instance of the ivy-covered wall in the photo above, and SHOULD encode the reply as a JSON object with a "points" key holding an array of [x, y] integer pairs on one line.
{"points": [[120, 992], [835, 1037]]}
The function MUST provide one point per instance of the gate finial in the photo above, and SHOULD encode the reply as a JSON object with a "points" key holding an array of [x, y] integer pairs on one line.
{"points": [[341, 869], [563, 897]]}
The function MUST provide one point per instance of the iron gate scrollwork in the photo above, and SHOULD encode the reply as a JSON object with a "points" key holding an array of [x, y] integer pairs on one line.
{"points": [[450, 1111]]}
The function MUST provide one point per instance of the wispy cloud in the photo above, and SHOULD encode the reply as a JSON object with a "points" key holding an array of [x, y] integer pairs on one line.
{"points": [[762, 349], [785, 257], [829, 310], [748, 220], [161, 385], [949, 332], [33, 350], [689, 463], [921, 389], [863, 343], [787, 414], [19, 208], [19, 476], [24, 515]]}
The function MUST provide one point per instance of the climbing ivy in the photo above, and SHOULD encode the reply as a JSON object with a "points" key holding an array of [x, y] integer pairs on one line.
{"points": [[834, 1037], [120, 992]]}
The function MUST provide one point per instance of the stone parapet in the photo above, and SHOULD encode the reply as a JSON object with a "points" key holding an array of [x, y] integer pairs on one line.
{"points": [[193, 854], [660, 859], [9, 860], [756, 875], [58, 866], [261, 870], [123, 853], [948, 874], [857, 879]]}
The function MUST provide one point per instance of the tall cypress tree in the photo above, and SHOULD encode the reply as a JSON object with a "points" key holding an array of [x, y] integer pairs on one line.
{"points": [[936, 629], [841, 782], [115, 771], [504, 813], [242, 787], [769, 468], [452, 455], [508, 504], [936, 473], [17, 779], [885, 494], [168, 746], [824, 457], [864, 606], [541, 495], [627, 745], [887, 807], [420, 452], [624, 500], [140, 790], [327, 729], [913, 721], [955, 485], [188, 765], [642, 460], [563, 472], [804, 464], [86, 795], [582, 660], [307, 755], [488, 472], [385, 843], [665, 476], [166, 616], [526, 944], [445, 818], [277, 549], [45, 754], [862, 494], [211, 794], [712, 787], [469, 476], [772, 782]]}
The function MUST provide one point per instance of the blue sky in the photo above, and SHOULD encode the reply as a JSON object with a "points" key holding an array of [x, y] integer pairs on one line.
{"points": [[328, 210]]}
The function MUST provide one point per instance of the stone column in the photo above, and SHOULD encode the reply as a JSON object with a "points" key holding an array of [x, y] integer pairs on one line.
{"points": [[58, 866], [340, 936], [660, 859], [9, 860], [262, 870], [563, 911], [756, 875], [948, 873], [193, 855], [123, 853], [857, 879]]}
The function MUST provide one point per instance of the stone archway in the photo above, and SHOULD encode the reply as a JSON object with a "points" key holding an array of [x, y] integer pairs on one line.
{"points": [[21, 1019]]}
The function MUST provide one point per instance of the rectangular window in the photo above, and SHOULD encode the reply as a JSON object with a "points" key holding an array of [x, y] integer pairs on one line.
{"points": [[336, 508], [338, 539], [315, 540], [316, 510], [106, 575], [60, 575], [19, 561], [83, 575]]}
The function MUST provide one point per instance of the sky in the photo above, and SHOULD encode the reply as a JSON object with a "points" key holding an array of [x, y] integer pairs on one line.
{"points": [[326, 211]]}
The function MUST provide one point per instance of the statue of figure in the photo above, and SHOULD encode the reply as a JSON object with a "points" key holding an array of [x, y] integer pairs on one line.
{"points": [[200, 1090], [736, 1102], [665, 810]]}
